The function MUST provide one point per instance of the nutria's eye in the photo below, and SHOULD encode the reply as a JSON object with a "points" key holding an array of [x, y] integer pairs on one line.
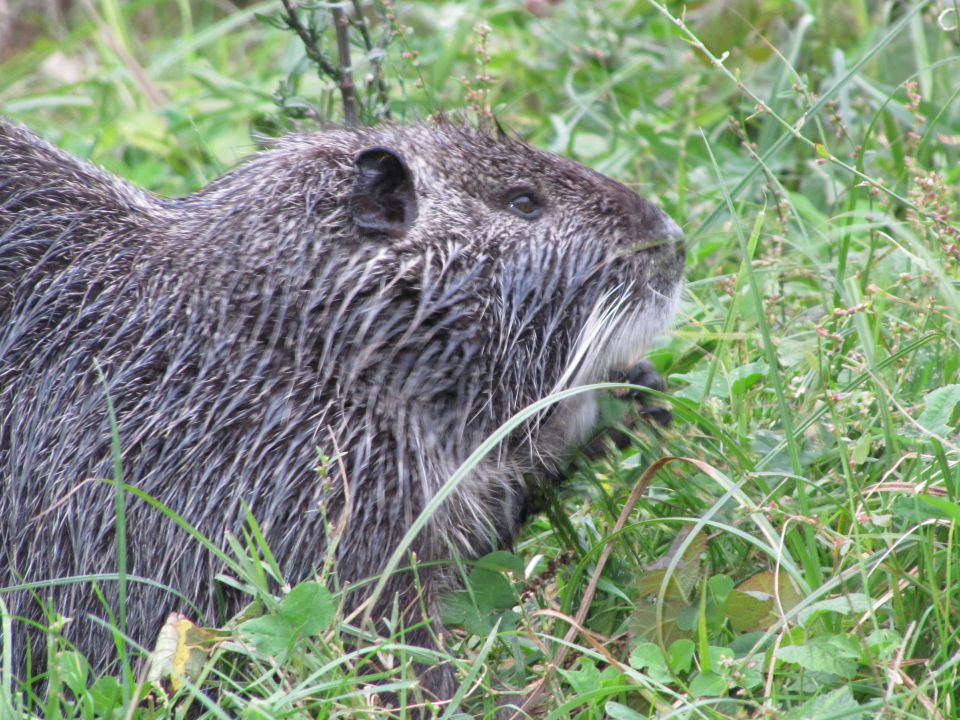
{"points": [[526, 205]]}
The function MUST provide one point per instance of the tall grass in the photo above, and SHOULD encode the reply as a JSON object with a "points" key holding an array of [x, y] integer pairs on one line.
{"points": [[795, 554]]}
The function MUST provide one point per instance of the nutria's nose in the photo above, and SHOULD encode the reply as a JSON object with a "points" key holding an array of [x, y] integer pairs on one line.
{"points": [[674, 235]]}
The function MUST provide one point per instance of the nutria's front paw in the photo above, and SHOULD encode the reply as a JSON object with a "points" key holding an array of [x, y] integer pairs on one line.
{"points": [[643, 374]]}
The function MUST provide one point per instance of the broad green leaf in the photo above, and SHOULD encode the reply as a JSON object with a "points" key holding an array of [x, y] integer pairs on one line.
{"points": [[585, 679], [459, 608], [680, 655], [106, 695], [719, 656], [861, 449], [844, 605], [687, 571], [501, 561], [749, 672], [491, 590], [647, 657], [697, 383], [742, 378], [688, 617], [643, 620], [882, 644], [74, 670], [750, 611], [746, 643], [308, 608], [753, 606], [735, 24], [833, 654], [948, 508], [708, 684], [270, 634], [838, 703], [720, 587], [616, 711], [678, 615], [941, 410]]}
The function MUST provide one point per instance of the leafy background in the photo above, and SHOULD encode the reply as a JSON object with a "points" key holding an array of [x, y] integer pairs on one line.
{"points": [[791, 548]]}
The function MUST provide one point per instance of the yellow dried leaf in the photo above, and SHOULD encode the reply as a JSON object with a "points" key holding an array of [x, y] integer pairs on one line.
{"points": [[181, 650]]}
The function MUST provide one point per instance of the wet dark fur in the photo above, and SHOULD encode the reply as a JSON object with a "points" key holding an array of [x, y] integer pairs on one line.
{"points": [[307, 299]]}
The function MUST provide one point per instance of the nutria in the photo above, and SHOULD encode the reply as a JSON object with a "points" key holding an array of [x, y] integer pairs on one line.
{"points": [[390, 296]]}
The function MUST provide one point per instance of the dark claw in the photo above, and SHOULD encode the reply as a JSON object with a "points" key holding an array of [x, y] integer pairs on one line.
{"points": [[643, 374], [657, 415]]}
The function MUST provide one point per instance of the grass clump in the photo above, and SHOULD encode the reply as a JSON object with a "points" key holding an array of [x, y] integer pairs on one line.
{"points": [[789, 547]]}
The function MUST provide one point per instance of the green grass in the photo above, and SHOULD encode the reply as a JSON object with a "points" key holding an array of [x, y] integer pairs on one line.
{"points": [[795, 554]]}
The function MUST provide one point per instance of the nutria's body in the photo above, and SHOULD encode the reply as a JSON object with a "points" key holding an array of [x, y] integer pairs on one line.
{"points": [[391, 295]]}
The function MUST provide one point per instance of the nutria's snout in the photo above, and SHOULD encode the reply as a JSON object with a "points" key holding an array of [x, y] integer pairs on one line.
{"points": [[674, 241], [663, 246], [674, 235], [677, 240], [680, 252]]}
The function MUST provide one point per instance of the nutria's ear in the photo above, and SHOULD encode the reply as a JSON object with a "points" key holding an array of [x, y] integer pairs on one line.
{"points": [[384, 197]]}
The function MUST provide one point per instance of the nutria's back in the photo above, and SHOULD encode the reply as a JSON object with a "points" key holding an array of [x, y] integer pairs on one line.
{"points": [[392, 295]]}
